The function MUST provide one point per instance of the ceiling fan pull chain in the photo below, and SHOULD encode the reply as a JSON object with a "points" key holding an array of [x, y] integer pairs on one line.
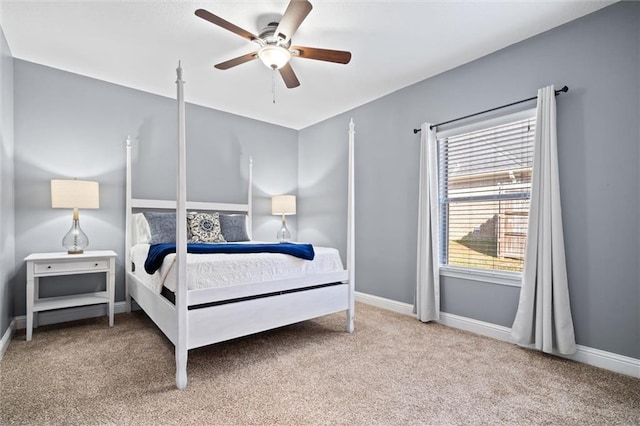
{"points": [[273, 85]]}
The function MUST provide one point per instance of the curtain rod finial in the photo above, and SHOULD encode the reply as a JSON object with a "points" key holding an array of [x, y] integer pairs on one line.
{"points": [[416, 131]]}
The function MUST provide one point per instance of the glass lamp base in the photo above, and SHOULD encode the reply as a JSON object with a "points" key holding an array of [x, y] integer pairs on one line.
{"points": [[283, 236], [75, 241]]}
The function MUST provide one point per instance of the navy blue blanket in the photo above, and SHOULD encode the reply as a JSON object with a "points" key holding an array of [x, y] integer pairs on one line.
{"points": [[157, 252]]}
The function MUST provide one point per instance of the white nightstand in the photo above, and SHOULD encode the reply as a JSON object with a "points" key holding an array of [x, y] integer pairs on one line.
{"points": [[52, 264]]}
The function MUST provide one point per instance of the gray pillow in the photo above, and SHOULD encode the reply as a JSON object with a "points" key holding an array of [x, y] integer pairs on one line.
{"points": [[234, 227], [162, 226]]}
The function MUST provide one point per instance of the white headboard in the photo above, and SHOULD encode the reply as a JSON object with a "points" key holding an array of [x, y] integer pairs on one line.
{"points": [[132, 204]]}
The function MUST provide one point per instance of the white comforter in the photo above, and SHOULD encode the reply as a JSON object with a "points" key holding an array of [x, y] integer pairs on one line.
{"points": [[224, 270]]}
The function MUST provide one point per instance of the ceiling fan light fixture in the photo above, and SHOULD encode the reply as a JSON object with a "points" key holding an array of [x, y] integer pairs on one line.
{"points": [[274, 56]]}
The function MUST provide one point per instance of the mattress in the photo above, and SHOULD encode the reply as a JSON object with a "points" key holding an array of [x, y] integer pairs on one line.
{"points": [[226, 270]]}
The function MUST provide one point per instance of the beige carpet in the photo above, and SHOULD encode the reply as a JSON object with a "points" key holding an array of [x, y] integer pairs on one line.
{"points": [[393, 370]]}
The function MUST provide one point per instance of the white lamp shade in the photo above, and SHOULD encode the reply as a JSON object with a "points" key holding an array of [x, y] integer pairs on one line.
{"points": [[283, 205], [71, 194]]}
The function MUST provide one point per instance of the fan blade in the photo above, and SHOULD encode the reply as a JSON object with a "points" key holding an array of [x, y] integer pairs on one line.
{"points": [[337, 56], [289, 77], [208, 16], [296, 12], [237, 61]]}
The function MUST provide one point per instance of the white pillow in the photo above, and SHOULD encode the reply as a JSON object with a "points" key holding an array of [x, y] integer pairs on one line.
{"points": [[141, 233]]}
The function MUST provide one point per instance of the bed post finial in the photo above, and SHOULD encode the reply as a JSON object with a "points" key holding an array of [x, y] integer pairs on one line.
{"points": [[128, 141], [179, 71]]}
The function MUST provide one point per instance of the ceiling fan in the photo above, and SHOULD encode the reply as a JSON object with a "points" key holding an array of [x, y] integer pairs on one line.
{"points": [[275, 43]]}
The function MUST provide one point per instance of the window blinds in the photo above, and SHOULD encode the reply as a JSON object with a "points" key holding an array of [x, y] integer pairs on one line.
{"points": [[485, 184]]}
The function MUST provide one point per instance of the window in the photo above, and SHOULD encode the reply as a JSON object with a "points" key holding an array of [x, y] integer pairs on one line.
{"points": [[485, 186]]}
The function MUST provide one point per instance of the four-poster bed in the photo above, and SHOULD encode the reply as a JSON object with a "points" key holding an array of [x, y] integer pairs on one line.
{"points": [[205, 315]]}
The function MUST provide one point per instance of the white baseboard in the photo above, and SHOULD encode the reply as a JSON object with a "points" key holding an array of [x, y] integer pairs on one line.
{"points": [[70, 314], [6, 337], [584, 354], [607, 360], [388, 304], [488, 329]]}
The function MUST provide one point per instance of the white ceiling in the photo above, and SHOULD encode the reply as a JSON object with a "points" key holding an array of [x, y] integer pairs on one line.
{"points": [[394, 44]]}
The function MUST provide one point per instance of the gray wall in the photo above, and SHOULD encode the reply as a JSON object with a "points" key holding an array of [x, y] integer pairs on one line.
{"points": [[598, 58], [7, 239], [68, 126]]}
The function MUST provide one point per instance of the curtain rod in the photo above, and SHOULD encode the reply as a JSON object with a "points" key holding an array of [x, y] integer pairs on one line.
{"points": [[563, 90]]}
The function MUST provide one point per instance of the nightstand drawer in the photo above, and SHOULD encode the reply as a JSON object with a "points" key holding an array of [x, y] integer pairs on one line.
{"points": [[76, 266]]}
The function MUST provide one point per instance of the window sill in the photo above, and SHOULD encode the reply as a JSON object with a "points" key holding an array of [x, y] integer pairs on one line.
{"points": [[512, 279]]}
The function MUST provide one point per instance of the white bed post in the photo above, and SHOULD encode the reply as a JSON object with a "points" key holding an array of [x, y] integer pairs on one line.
{"points": [[250, 200], [127, 234], [351, 240], [181, 243]]}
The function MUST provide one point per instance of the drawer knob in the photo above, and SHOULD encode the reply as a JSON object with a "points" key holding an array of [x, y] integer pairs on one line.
{"points": [[49, 267], [95, 264]]}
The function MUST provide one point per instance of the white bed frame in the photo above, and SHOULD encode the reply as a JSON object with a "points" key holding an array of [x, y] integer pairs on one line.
{"points": [[189, 329]]}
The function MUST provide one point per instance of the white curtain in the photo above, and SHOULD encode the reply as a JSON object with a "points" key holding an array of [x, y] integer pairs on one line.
{"points": [[428, 276], [543, 320]]}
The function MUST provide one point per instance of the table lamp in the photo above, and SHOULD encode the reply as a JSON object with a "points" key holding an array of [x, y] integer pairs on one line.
{"points": [[283, 205], [75, 194]]}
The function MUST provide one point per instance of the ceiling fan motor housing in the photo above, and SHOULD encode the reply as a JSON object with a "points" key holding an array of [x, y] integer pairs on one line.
{"points": [[268, 36]]}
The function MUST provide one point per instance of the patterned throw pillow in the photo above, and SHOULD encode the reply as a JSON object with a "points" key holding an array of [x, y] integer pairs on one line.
{"points": [[234, 227], [204, 228]]}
